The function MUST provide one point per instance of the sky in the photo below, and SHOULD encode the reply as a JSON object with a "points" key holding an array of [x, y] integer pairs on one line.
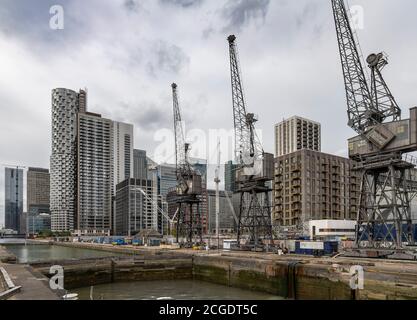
{"points": [[128, 52]]}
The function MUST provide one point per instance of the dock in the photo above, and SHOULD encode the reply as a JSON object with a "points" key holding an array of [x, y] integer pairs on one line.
{"points": [[22, 282], [294, 277]]}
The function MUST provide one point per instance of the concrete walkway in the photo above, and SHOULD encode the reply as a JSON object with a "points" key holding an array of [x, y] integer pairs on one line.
{"points": [[34, 285]]}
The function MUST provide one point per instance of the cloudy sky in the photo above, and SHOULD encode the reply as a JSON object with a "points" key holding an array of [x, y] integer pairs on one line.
{"points": [[128, 52]]}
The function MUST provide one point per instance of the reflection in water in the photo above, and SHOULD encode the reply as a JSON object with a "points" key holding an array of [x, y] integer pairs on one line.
{"points": [[170, 290], [33, 253]]}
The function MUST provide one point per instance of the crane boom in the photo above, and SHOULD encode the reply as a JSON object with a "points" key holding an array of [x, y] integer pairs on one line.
{"points": [[361, 111], [180, 145], [247, 148]]}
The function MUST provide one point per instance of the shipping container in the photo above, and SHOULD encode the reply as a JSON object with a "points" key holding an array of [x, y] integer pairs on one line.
{"points": [[154, 242], [313, 248]]}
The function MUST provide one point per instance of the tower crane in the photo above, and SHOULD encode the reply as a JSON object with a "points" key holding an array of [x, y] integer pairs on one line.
{"points": [[252, 174], [384, 217], [189, 181]]}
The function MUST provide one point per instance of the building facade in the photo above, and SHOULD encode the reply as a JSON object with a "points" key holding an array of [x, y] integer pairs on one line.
{"points": [[13, 198], [39, 223], [230, 176], [167, 179], [123, 162], [296, 134], [311, 185], [138, 208], [140, 166], [200, 166], [227, 222], [66, 104], [94, 174], [38, 191]]}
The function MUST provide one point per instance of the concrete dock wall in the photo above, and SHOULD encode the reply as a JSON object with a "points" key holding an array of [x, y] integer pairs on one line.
{"points": [[309, 278], [92, 272], [283, 278], [6, 257], [293, 277]]}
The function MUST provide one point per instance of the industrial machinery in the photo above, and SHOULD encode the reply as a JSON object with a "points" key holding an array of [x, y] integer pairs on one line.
{"points": [[255, 167], [384, 217], [189, 182]]}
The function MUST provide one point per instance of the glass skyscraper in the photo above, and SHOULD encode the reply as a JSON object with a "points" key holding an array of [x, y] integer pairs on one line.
{"points": [[13, 198]]}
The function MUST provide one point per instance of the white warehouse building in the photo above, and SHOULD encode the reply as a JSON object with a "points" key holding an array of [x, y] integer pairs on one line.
{"points": [[332, 229]]}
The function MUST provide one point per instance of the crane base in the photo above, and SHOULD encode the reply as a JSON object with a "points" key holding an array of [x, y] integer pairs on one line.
{"points": [[390, 254]]}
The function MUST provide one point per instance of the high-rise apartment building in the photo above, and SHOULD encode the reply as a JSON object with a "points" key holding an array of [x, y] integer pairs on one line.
{"points": [[140, 166], [66, 104], [297, 134], [13, 198], [123, 140], [38, 191], [94, 174], [311, 185], [138, 208]]}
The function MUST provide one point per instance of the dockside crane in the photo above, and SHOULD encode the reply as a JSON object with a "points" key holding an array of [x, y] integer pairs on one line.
{"points": [[255, 167], [384, 215], [189, 182]]}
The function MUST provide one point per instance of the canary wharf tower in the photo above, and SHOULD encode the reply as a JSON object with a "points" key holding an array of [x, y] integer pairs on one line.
{"points": [[66, 104]]}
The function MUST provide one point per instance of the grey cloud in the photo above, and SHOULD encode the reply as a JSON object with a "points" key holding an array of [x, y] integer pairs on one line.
{"points": [[149, 116], [239, 13], [167, 58], [208, 32], [132, 5], [182, 3], [308, 14]]}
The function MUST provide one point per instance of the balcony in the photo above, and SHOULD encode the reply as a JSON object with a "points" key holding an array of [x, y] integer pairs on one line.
{"points": [[296, 183], [296, 199], [296, 190]]}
